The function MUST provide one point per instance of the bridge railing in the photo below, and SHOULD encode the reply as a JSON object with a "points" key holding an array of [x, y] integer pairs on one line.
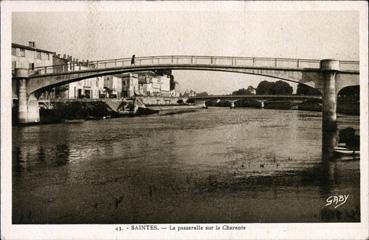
{"points": [[226, 61], [349, 66]]}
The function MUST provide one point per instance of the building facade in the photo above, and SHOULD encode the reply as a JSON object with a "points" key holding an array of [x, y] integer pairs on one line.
{"points": [[88, 88], [129, 85], [28, 57], [31, 57], [113, 86], [146, 83], [91, 88]]}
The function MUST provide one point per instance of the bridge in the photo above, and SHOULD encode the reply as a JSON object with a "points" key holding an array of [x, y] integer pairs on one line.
{"points": [[328, 76], [306, 71], [260, 99], [255, 97]]}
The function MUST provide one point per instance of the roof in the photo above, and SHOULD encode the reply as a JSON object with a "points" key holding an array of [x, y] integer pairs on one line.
{"points": [[16, 45]]}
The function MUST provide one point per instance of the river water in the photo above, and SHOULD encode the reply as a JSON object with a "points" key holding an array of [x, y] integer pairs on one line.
{"points": [[216, 165]]}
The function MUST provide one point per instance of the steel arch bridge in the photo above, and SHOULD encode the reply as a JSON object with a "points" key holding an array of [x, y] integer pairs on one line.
{"points": [[306, 71]]}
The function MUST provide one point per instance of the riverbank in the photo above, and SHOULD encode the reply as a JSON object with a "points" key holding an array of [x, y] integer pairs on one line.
{"points": [[66, 111], [72, 111]]}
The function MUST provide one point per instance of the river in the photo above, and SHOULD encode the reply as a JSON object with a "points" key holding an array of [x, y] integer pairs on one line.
{"points": [[216, 165]]}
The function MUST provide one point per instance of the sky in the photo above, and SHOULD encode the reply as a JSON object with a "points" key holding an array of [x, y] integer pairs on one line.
{"points": [[97, 35]]}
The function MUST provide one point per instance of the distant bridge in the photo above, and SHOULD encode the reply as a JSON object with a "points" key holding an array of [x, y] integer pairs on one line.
{"points": [[255, 97]]}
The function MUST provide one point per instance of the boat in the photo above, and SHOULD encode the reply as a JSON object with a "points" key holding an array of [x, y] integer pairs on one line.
{"points": [[340, 150]]}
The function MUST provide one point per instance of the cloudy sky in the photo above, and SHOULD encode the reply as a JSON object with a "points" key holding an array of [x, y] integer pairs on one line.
{"points": [[96, 35]]}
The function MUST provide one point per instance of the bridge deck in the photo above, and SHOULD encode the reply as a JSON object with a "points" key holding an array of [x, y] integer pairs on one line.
{"points": [[254, 96], [180, 60]]}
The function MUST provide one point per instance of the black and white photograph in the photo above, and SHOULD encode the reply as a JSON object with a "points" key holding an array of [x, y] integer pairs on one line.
{"points": [[153, 119]]}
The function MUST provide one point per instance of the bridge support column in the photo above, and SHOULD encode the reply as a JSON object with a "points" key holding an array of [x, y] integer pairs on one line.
{"points": [[28, 109], [33, 109], [329, 69]]}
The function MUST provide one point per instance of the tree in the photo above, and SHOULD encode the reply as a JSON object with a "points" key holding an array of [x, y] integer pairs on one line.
{"points": [[265, 88], [250, 90], [271, 88], [303, 89], [282, 88], [202, 94]]}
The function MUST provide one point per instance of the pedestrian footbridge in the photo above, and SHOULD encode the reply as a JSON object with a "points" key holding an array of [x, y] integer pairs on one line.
{"points": [[305, 71]]}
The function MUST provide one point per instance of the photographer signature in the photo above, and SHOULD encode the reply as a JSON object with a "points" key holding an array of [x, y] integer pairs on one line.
{"points": [[337, 201]]}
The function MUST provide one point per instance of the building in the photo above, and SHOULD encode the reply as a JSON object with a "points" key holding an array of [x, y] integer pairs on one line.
{"points": [[113, 86], [31, 57], [146, 83], [88, 88], [28, 57], [129, 85], [153, 84]]}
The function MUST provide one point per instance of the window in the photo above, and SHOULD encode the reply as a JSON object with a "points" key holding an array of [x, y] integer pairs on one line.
{"points": [[14, 52], [14, 64], [22, 52], [38, 55], [31, 66]]}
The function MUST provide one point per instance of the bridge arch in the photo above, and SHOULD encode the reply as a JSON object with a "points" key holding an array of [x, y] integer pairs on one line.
{"points": [[38, 84], [352, 92]]}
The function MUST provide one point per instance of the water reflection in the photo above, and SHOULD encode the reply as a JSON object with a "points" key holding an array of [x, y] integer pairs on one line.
{"points": [[62, 154], [328, 144], [231, 164], [37, 147]]}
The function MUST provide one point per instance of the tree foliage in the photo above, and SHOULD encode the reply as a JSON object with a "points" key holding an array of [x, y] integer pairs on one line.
{"points": [[250, 90], [271, 88], [303, 89], [281, 87], [202, 94]]}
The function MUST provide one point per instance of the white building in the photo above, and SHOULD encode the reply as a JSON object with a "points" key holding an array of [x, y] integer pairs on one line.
{"points": [[88, 88], [28, 57], [130, 86], [152, 84], [31, 57], [113, 86]]}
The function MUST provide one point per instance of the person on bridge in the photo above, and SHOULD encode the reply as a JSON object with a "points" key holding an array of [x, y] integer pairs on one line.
{"points": [[133, 59]]}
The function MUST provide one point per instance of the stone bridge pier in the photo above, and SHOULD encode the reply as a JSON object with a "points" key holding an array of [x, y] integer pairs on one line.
{"points": [[329, 69], [28, 108]]}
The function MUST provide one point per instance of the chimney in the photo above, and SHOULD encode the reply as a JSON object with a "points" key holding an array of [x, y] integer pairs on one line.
{"points": [[32, 44]]}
